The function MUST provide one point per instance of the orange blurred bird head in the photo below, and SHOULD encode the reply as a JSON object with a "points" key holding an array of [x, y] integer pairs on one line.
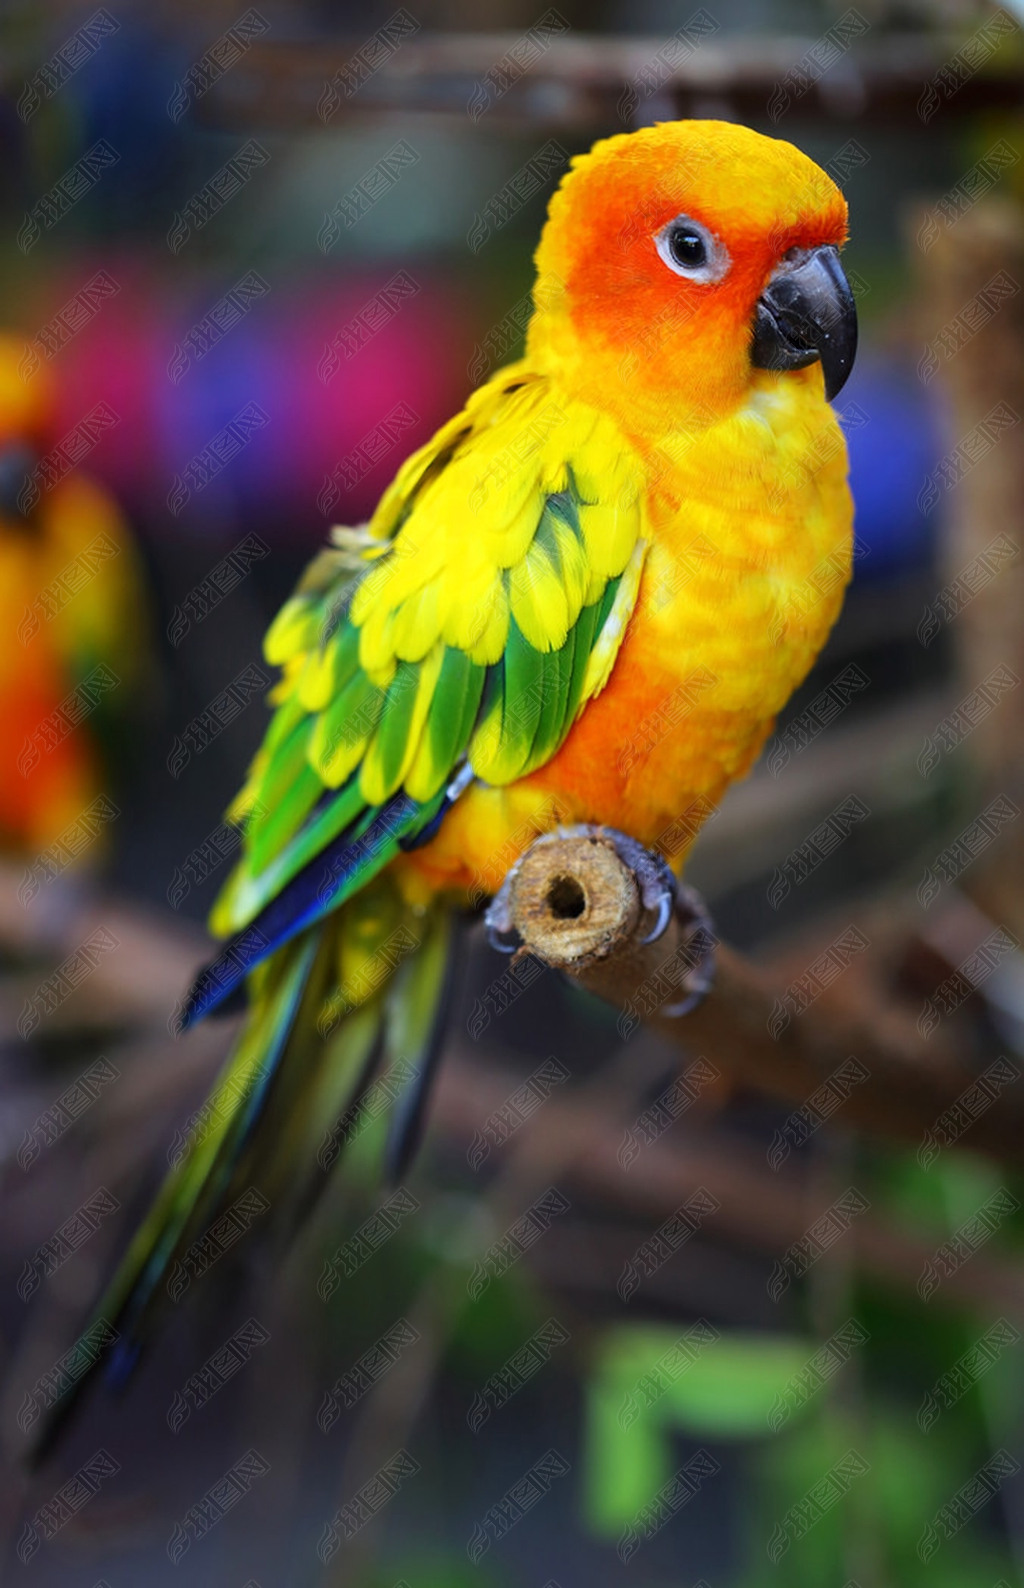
{"points": [[686, 265]]}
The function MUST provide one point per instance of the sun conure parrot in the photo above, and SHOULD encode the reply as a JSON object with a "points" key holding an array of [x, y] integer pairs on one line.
{"points": [[629, 506], [70, 614]]}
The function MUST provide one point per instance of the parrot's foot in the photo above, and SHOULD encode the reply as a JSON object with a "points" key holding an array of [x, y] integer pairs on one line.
{"points": [[661, 894], [699, 939]]}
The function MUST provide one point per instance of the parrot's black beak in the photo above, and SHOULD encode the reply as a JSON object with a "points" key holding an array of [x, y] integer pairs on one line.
{"points": [[807, 313]]}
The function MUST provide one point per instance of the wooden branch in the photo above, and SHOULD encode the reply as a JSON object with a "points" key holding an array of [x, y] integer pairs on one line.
{"points": [[581, 79], [575, 1142], [577, 907]]}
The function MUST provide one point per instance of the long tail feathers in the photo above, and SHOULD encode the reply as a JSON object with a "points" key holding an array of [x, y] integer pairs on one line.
{"points": [[293, 1094]]}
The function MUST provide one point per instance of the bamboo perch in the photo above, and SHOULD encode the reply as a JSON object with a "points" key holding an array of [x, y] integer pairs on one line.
{"points": [[576, 906]]}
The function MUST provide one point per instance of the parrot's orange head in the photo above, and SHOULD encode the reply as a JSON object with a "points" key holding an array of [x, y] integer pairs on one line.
{"points": [[688, 264]]}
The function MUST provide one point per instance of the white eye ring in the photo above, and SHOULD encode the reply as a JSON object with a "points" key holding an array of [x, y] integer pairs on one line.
{"points": [[691, 251]]}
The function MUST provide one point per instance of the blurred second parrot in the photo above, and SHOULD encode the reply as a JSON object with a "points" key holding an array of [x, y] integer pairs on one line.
{"points": [[72, 616]]}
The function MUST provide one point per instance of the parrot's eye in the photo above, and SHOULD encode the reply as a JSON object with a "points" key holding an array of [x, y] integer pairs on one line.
{"points": [[689, 249]]}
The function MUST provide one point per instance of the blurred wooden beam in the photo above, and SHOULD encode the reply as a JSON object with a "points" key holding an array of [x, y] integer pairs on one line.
{"points": [[574, 79], [971, 314]]}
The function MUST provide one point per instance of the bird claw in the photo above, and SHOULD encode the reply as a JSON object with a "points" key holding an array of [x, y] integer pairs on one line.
{"points": [[501, 933], [662, 894], [699, 941]]}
